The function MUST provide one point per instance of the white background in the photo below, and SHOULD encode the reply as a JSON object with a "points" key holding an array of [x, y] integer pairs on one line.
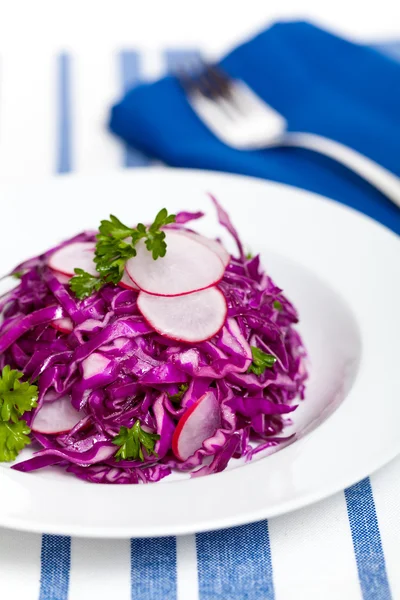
{"points": [[36, 25]]}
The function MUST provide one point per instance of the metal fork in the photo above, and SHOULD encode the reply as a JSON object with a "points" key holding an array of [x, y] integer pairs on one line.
{"points": [[242, 120]]}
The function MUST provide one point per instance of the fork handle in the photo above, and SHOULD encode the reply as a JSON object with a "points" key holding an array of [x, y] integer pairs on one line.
{"points": [[383, 180]]}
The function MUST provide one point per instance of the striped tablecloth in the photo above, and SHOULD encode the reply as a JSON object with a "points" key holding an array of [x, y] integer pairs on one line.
{"points": [[52, 120]]}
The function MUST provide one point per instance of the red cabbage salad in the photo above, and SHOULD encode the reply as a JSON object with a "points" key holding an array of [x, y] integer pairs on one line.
{"points": [[128, 353]]}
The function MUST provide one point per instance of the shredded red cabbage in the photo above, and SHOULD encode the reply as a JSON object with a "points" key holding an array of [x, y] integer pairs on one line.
{"points": [[117, 369]]}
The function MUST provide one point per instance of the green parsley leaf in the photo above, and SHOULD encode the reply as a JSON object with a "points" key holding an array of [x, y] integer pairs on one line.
{"points": [[156, 245], [261, 361], [83, 284], [276, 304], [17, 274], [115, 245], [132, 441], [179, 395], [13, 438], [113, 248], [154, 237], [114, 229], [16, 397], [162, 219], [249, 256]]}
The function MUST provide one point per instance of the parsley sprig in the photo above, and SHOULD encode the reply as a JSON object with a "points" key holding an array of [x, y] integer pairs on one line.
{"points": [[13, 438], [16, 398], [115, 245], [132, 441], [83, 284], [261, 361]]}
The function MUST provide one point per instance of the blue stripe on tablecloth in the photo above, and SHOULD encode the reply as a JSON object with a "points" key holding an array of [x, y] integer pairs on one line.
{"points": [[367, 542], [130, 77], [153, 569], [63, 155], [235, 564], [55, 566]]}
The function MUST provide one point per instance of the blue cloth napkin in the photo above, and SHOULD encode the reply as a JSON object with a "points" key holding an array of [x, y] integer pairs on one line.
{"points": [[321, 83]]}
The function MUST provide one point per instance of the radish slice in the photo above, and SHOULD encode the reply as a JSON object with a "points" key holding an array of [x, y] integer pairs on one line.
{"points": [[197, 424], [127, 283], [61, 277], [78, 255], [64, 325], [58, 416], [187, 267], [190, 318], [215, 246]]}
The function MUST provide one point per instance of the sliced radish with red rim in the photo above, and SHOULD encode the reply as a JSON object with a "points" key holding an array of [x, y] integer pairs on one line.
{"points": [[64, 325], [57, 416], [190, 318], [64, 279], [196, 425], [78, 255], [127, 283], [213, 245], [188, 266]]}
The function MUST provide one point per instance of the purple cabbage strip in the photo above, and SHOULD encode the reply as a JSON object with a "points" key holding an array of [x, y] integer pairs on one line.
{"points": [[165, 426], [184, 217], [43, 315], [97, 453], [62, 295], [225, 221]]}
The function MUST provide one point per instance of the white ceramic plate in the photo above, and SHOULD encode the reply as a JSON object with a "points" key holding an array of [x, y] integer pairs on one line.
{"points": [[341, 271]]}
